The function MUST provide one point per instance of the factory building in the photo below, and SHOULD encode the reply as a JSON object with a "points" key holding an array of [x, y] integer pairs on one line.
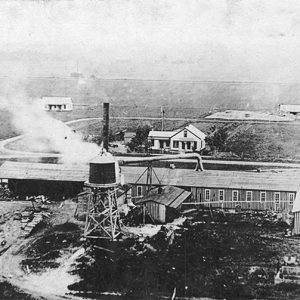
{"points": [[225, 189], [52, 180], [187, 139], [57, 103]]}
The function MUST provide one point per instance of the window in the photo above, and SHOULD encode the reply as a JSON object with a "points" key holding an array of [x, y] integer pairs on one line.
{"points": [[221, 195], [277, 197], [291, 198], [175, 144], [262, 196], [183, 145], [248, 195], [188, 145], [195, 145], [185, 133], [161, 144], [207, 195], [139, 190], [235, 195], [167, 143], [152, 142]]}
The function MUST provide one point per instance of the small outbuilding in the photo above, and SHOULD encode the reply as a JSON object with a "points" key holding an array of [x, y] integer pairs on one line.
{"points": [[163, 203], [128, 136], [293, 109], [57, 103]]}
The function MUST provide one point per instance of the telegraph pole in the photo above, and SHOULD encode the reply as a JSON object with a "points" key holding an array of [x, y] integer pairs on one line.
{"points": [[162, 111]]}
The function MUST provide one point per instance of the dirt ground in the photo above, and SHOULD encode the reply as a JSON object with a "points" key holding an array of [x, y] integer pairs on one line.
{"points": [[208, 254], [231, 256], [36, 266]]}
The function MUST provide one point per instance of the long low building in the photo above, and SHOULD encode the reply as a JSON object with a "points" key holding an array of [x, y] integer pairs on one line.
{"points": [[274, 190]]}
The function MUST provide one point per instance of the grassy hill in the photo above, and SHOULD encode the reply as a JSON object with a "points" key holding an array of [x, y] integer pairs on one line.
{"points": [[266, 142]]}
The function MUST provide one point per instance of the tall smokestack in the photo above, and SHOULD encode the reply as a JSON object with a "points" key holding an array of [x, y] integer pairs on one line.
{"points": [[105, 130]]}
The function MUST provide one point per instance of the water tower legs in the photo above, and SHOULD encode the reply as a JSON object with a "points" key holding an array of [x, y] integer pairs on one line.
{"points": [[102, 219]]}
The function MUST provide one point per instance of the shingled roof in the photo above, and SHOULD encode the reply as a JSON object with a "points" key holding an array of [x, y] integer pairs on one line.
{"points": [[170, 196], [285, 180]]}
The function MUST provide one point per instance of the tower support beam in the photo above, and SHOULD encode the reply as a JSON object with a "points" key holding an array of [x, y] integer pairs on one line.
{"points": [[102, 219]]}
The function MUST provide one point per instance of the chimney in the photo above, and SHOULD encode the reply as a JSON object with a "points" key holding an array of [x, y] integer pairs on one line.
{"points": [[105, 130]]}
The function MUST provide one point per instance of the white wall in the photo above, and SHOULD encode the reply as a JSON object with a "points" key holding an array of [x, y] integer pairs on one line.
{"points": [[189, 138]]}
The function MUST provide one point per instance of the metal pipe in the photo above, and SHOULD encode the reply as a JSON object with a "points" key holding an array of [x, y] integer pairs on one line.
{"points": [[199, 165], [105, 129]]}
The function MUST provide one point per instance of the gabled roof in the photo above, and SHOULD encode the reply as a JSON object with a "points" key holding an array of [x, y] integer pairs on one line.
{"points": [[170, 196], [57, 100], [195, 131]]}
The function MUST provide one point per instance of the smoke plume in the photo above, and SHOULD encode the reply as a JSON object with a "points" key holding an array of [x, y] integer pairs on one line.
{"points": [[42, 132]]}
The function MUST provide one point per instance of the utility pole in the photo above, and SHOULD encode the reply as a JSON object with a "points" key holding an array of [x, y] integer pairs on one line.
{"points": [[162, 111], [105, 128]]}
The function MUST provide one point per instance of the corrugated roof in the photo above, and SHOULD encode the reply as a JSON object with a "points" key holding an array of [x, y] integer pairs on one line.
{"points": [[170, 196], [57, 100], [287, 180]]}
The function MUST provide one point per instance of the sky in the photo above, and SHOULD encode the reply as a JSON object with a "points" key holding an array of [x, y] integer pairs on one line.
{"points": [[246, 40]]}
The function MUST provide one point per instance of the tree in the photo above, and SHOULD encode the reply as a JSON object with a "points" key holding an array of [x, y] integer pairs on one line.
{"points": [[216, 140], [140, 140]]}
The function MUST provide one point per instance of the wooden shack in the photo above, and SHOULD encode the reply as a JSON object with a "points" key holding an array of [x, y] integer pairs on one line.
{"points": [[163, 203]]}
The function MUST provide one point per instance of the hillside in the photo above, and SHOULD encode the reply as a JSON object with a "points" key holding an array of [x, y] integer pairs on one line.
{"points": [[181, 94], [265, 142]]}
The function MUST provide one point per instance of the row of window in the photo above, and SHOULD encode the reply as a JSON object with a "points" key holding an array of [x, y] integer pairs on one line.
{"points": [[235, 195], [184, 145], [187, 145], [249, 196]]}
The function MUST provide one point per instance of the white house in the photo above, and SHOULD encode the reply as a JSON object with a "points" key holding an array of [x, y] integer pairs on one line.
{"points": [[187, 139], [57, 103], [293, 109]]}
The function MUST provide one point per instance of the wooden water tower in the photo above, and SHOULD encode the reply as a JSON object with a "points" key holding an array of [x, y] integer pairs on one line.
{"points": [[102, 218]]}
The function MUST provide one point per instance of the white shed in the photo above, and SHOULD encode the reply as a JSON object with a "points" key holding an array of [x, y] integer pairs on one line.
{"points": [[57, 103]]}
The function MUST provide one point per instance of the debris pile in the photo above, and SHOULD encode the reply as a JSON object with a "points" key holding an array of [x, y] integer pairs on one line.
{"points": [[212, 254]]}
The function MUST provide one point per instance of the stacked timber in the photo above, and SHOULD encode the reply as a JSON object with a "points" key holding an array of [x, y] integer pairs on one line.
{"points": [[82, 206], [28, 225]]}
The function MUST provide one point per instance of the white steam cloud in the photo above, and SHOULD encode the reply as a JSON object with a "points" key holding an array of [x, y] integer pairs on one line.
{"points": [[42, 132]]}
